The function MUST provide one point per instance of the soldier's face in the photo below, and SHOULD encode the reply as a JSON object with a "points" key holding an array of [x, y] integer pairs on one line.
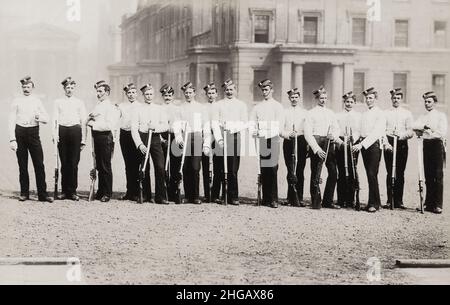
{"points": [[149, 94], [132, 95], [267, 92], [230, 91], [396, 100], [370, 100], [348, 104], [212, 95], [295, 100], [429, 104], [101, 93], [168, 97], [189, 94], [323, 99], [69, 89], [27, 89]]}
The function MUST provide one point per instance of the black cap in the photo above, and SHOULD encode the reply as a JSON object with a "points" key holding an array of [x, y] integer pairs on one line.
{"points": [[188, 85], [370, 91], [317, 93], [68, 81], [265, 83], [129, 87], [210, 86]]}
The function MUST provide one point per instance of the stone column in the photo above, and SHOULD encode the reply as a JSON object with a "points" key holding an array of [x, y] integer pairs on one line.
{"points": [[286, 79], [298, 77], [348, 77], [337, 86]]}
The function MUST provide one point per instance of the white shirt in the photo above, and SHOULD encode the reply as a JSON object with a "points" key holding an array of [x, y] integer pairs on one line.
{"points": [[267, 117], [193, 119], [319, 121], [173, 112], [127, 109], [399, 120], [437, 121], [69, 111], [23, 113], [294, 120], [350, 122], [234, 113], [107, 117], [373, 126], [145, 115]]}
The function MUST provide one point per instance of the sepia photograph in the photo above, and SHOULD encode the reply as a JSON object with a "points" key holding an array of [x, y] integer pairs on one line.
{"points": [[224, 143]]}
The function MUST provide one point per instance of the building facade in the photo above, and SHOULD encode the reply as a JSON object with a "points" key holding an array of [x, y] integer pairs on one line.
{"points": [[344, 45]]}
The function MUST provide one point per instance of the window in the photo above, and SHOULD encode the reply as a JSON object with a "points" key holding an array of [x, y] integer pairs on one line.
{"points": [[359, 85], [401, 33], [310, 30], [359, 31], [261, 28], [440, 34], [439, 86], [258, 75], [401, 81]]}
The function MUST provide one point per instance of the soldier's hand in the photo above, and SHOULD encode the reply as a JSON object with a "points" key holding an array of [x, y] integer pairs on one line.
{"points": [[255, 133], [179, 141], [357, 148], [143, 149], [221, 144], [206, 150], [93, 174], [13, 146], [293, 135], [330, 137], [55, 140], [83, 146], [321, 154], [388, 147]]}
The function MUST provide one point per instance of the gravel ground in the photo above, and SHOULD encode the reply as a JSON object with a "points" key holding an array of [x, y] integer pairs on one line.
{"points": [[123, 243]]}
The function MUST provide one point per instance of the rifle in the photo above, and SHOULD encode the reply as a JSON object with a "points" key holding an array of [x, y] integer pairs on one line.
{"points": [[258, 156], [93, 173], [183, 158], [167, 167], [394, 170], [143, 168], [225, 163], [347, 174], [294, 165], [326, 157], [421, 175], [355, 175], [55, 196]]}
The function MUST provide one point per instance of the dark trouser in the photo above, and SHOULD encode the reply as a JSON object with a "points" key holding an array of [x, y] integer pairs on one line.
{"points": [[104, 148], [269, 153], [346, 187], [131, 157], [192, 164], [372, 158], [433, 159], [69, 153], [157, 155], [211, 194], [295, 179], [402, 159], [174, 166], [28, 140], [316, 172], [234, 161]]}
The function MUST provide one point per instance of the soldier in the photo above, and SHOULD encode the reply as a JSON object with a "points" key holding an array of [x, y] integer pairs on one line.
{"points": [[27, 113], [267, 119], [172, 107], [70, 134], [212, 195], [193, 121], [432, 126], [130, 153], [103, 122], [151, 116], [399, 123], [349, 125], [373, 129], [294, 123], [322, 133], [231, 116]]}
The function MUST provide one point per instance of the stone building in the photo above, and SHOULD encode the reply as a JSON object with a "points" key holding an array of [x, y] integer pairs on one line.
{"points": [[344, 45]]}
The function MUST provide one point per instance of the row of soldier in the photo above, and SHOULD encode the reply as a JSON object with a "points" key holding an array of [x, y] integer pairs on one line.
{"points": [[183, 137]]}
